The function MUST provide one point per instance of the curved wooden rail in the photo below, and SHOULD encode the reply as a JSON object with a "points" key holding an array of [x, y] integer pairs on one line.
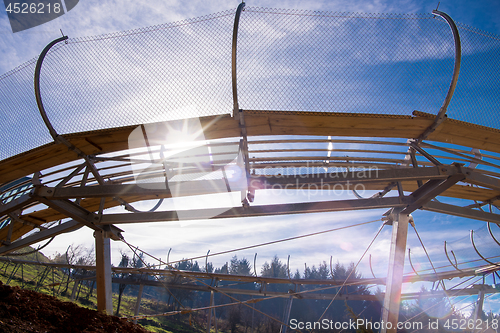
{"points": [[263, 123]]}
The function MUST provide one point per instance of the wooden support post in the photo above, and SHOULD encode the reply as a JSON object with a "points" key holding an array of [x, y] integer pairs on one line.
{"points": [[215, 316], [103, 272], [390, 311], [138, 302]]}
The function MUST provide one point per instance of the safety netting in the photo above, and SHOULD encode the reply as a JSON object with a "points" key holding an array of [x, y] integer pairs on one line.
{"points": [[290, 60], [22, 128]]}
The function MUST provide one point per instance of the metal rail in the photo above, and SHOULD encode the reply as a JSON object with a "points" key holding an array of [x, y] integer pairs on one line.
{"points": [[477, 251], [456, 71], [38, 95], [233, 58]]}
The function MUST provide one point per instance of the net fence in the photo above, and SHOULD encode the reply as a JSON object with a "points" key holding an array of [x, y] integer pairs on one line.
{"points": [[22, 127], [477, 96], [288, 60], [336, 62]]}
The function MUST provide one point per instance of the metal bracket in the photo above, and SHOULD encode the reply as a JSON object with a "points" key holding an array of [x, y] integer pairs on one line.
{"points": [[71, 175], [250, 193], [477, 156], [411, 157], [414, 145], [15, 216], [113, 232]]}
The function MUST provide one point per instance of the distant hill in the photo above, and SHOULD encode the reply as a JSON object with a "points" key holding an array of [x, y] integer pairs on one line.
{"points": [[32, 255]]}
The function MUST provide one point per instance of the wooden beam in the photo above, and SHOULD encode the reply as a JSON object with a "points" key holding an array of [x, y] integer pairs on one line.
{"points": [[263, 123]]}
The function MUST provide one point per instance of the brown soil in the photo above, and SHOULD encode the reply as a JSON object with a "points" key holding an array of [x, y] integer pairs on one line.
{"points": [[28, 311]]}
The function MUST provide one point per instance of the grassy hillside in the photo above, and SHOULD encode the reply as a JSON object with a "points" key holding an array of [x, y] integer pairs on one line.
{"points": [[55, 282]]}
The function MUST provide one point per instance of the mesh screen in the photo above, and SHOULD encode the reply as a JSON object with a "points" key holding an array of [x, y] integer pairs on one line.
{"points": [[287, 60], [166, 72], [317, 61], [477, 96], [22, 127]]}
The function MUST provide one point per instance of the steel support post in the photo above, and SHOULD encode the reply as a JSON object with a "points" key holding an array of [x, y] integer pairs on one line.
{"points": [[286, 320], [479, 307], [103, 271], [209, 322], [390, 311], [138, 302]]}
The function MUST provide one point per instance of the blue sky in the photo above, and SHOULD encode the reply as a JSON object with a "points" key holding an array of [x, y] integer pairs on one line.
{"points": [[99, 17]]}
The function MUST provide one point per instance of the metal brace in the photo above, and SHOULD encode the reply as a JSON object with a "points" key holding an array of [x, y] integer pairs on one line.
{"points": [[250, 193]]}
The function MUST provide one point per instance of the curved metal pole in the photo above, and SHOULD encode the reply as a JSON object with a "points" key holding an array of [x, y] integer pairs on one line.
{"points": [[491, 233], [371, 267], [357, 194], [477, 251], [456, 70], [331, 268], [411, 264], [254, 264], [131, 208], [235, 42], [53, 133], [288, 266], [206, 262], [38, 96], [456, 263]]}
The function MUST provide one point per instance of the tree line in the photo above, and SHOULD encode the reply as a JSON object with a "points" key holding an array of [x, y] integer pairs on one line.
{"points": [[241, 318]]}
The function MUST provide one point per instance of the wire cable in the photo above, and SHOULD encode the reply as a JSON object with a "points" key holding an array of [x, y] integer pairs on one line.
{"points": [[352, 271], [156, 277], [209, 286], [421, 312], [274, 242]]}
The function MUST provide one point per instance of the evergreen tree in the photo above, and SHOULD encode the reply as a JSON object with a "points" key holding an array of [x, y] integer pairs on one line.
{"points": [[240, 267]]}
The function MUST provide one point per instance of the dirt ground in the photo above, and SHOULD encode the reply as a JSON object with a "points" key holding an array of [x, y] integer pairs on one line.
{"points": [[28, 311]]}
